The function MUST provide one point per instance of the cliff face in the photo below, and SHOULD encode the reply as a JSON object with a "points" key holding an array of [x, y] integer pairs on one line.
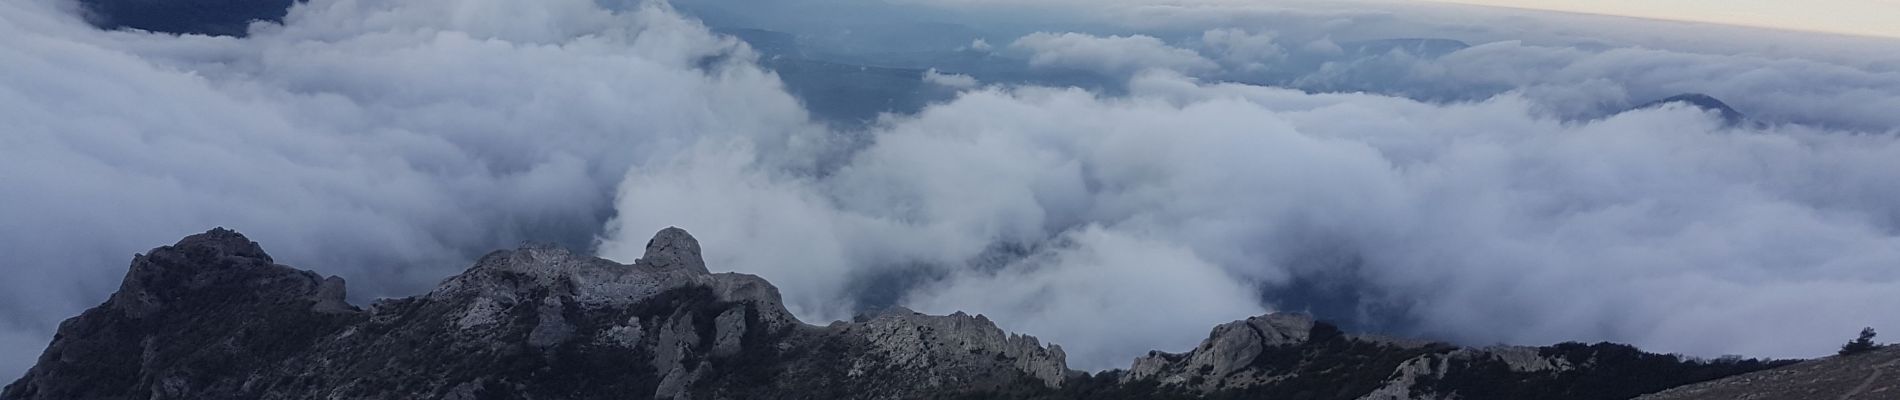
{"points": [[213, 317]]}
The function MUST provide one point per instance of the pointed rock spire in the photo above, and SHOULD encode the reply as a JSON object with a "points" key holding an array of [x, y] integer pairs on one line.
{"points": [[674, 248]]}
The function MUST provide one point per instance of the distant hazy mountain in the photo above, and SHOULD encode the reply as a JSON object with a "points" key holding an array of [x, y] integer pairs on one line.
{"points": [[1708, 103], [213, 317], [206, 17]]}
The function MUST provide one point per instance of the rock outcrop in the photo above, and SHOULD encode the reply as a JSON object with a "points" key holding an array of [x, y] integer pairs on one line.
{"points": [[189, 318], [214, 317], [1230, 348], [1292, 356], [915, 341]]}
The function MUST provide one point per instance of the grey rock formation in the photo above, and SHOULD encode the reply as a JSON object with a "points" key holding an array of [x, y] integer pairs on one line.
{"points": [[213, 317], [1408, 376], [916, 341], [1292, 356], [244, 312], [674, 248], [1230, 348], [1405, 382]]}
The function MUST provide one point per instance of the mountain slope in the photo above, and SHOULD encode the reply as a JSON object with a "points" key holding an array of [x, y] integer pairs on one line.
{"points": [[1867, 376]]}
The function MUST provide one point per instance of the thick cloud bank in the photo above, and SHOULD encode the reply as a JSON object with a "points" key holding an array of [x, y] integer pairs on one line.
{"points": [[1482, 222], [1572, 82], [1580, 82], [1483, 194]]}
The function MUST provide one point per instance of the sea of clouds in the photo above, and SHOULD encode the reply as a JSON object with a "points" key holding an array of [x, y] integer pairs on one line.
{"points": [[1496, 194]]}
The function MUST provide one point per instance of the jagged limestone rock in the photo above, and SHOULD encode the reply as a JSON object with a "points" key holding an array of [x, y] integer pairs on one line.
{"points": [[1405, 380], [214, 317], [1231, 347], [1407, 376], [1280, 329], [1286, 355], [915, 341], [1518, 358], [730, 329], [673, 248]]}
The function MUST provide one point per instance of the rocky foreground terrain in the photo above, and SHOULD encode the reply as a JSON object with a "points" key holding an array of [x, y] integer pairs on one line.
{"points": [[1873, 375], [213, 317]]}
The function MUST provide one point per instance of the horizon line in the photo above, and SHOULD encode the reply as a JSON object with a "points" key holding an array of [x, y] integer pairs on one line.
{"points": [[1737, 24]]}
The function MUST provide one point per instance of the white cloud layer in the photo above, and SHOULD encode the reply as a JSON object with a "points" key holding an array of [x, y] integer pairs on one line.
{"points": [[1484, 221], [1571, 82], [1574, 81], [1241, 50]]}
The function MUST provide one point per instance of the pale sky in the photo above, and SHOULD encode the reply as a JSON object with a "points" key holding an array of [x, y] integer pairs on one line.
{"points": [[1860, 17]]}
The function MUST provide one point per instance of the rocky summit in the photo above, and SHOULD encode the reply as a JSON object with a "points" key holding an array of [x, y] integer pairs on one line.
{"points": [[214, 317]]}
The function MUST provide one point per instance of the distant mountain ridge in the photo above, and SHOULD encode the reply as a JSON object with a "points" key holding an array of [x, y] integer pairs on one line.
{"points": [[1705, 102], [213, 316]]}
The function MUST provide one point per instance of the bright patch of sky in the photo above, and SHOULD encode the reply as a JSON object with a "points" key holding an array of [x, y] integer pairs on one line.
{"points": [[1858, 17]]}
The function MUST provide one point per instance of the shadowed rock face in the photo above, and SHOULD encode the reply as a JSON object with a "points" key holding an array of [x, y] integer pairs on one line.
{"points": [[213, 317], [674, 248], [188, 318]]}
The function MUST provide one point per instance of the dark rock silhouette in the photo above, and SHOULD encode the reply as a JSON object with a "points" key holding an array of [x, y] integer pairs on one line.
{"points": [[203, 17], [1705, 102]]}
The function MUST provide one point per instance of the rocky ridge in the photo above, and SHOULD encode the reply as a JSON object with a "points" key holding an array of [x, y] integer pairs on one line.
{"points": [[1728, 115], [1294, 356], [213, 316]]}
